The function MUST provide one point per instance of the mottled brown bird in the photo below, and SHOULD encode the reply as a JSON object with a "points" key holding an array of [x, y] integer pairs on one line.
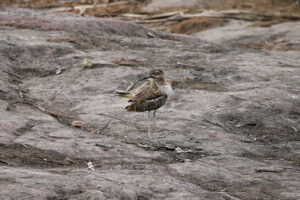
{"points": [[149, 96]]}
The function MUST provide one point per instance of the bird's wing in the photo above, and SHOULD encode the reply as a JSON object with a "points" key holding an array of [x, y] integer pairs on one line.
{"points": [[147, 98], [130, 94], [146, 92]]}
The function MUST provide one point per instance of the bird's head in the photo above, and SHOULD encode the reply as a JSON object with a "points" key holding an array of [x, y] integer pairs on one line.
{"points": [[156, 74]]}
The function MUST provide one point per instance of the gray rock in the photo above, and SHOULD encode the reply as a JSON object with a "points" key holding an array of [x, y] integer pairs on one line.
{"points": [[224, 94]]}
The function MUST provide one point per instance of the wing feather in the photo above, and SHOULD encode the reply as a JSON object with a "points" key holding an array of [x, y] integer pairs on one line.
{"points": [[147, 97]]}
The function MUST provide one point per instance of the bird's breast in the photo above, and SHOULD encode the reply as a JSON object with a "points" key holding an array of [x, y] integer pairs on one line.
{"points": [[167, 89]]}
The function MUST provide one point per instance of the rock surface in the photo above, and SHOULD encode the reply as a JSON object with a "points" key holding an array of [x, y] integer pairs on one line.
{"points": [[232, 126]]}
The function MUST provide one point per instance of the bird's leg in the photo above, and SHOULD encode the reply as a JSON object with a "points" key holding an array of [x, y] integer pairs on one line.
{"points": [[154, 119], [149, 131], [154, 112]]}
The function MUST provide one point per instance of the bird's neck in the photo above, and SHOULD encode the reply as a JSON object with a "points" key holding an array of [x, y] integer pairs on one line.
{"points": [[166, 88], [161, 81]]}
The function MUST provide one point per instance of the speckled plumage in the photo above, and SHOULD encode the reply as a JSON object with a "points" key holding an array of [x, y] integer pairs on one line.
{"points": [[149, 96]]}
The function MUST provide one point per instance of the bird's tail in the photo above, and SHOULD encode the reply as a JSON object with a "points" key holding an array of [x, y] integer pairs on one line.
{"points": [[125, 94]]}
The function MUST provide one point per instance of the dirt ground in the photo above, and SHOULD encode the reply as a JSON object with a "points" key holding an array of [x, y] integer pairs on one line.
{"points": [[232, 127]]}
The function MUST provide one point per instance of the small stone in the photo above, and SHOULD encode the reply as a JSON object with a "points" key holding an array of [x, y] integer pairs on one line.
{"points": [[179, 150], [170, 146], [188, 78], [94, 132], [77, 124], [58, 71], [66, 161]]}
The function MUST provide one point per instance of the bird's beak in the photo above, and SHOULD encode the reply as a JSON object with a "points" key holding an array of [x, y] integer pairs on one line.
{"points": [[145, 77]]}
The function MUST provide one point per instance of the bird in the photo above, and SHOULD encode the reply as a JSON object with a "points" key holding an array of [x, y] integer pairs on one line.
{"points": [[150, 96]]}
